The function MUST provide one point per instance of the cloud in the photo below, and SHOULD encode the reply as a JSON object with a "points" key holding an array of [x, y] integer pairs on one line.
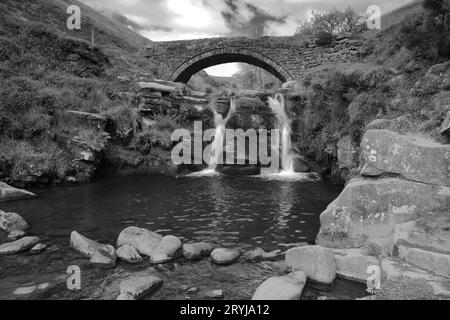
{"points": [[180, 19]]}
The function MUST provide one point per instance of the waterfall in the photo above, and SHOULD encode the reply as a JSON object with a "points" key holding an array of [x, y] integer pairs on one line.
{"points": [[278, 107], [219, 136]]}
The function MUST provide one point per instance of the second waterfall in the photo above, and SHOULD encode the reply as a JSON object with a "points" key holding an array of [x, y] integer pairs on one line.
{"points": [[278, 106]]}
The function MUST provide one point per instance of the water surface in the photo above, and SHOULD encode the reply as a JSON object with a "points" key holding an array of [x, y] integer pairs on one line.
{"points": [[244, 212]]}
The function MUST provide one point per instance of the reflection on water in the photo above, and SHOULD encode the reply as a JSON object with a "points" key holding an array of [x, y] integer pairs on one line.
{"points": [[243, 211]]}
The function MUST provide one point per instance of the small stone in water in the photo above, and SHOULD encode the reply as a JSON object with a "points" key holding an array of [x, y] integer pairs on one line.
{"points": [[224, 256], [192, 290], [105, 258], [40, 247], [15, 235], [217, 294], [24, 290]]}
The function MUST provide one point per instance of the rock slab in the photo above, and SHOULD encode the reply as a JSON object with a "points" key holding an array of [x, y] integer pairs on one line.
{"points": [[18, 246], [289, 287], [316, 261]]}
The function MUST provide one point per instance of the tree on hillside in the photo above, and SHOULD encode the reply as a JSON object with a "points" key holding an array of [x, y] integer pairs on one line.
{"points": [[437, 7], [334, 22]]}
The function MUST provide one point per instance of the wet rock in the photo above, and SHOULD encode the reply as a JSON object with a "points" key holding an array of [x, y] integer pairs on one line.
{"points": [[289, 287], [8, 193], [24, 291], [370, 171], [415, 158], [129, 254], [355, 218], [138, 287], [143, 240], [105, 257], [260, 255], [224, 256], [40, 247], [352, 264], [86, 246], [10, 222], [301, 165], [168, 248], [316, 261], [18, 246], [192, 290], [195, 251], [15, 235]]}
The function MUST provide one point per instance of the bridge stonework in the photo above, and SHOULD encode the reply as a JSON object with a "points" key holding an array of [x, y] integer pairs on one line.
{"points": [[284, 57]]}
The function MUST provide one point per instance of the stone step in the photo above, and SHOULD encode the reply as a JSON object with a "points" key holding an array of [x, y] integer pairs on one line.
{"points": [[395, 269], [426, 258]]}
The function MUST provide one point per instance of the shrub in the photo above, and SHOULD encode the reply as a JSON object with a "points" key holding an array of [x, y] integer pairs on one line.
{"points": [[94, 139], [365, 107], [334, 22], [33, 158], [125, 120]]}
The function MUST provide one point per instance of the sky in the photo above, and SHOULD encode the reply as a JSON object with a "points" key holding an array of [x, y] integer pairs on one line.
{"points": [[165, 20]]}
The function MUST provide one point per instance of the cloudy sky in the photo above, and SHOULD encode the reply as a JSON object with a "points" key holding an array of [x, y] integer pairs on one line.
{"points": [[164, 20]]}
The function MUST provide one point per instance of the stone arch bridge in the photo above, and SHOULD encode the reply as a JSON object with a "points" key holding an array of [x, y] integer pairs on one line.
{"points": [[284, 57]]}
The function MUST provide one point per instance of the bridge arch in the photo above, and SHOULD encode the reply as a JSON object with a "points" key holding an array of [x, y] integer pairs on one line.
{"points": [[226, 55]]}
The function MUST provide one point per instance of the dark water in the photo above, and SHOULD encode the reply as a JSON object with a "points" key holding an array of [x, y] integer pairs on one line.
{"points": [[230, 211], [244, 212]]}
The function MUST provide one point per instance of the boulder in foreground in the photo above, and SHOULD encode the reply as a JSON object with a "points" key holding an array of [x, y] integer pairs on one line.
{"points": [[355, 218], [288, 287], [143, 240], [195, 251], [168, 248], [85, 246], [12, 222]]}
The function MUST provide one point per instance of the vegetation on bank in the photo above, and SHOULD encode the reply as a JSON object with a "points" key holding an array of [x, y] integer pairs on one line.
{"points": [[45, 70], [341, 100]]}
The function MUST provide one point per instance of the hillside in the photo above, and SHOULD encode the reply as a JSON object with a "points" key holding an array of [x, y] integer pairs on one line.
{"points": [[53, 14], [395, 16], [47, 70]]}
